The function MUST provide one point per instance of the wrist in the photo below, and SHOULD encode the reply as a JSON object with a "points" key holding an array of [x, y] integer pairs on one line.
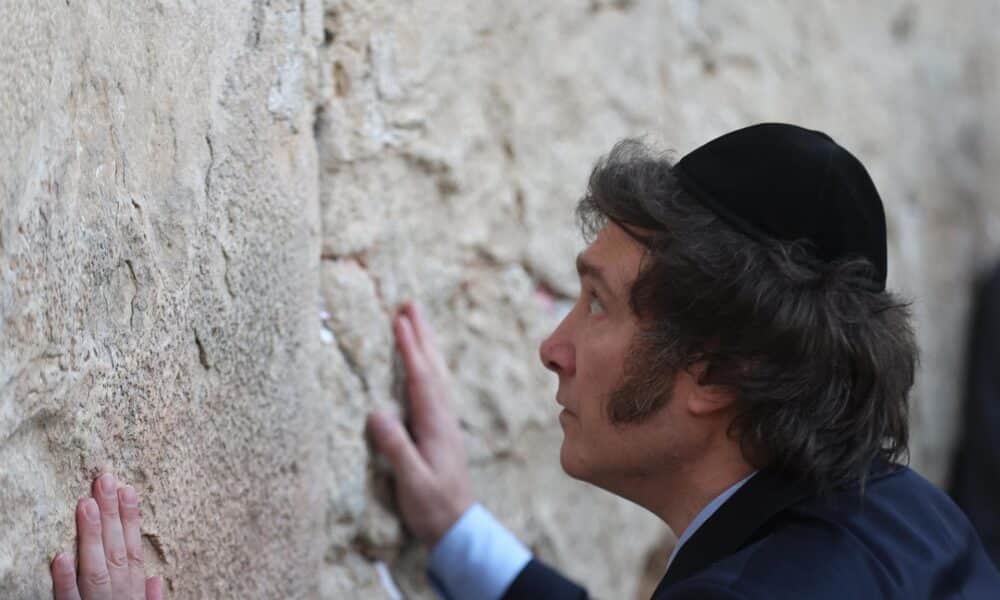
{"points": [[448, 520]]}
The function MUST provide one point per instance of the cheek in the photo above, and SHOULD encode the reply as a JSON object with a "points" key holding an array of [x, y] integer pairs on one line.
{"points": [[600, 367], [591, 445], [596, 451]]}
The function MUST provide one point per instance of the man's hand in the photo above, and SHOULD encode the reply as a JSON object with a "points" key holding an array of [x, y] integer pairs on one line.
{"points": [[432, 481], [110, 549]]}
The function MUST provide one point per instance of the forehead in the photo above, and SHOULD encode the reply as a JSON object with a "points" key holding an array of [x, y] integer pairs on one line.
{"points": [[617, 254]]}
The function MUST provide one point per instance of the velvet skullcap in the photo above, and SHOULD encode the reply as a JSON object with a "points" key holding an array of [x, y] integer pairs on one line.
{"points": [[784, 182]]}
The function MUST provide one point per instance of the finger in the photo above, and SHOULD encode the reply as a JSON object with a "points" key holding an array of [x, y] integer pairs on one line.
{"points": [[94, 580], [418, 375], [409, 347], [128, 503], [106, 493], [64, 578], [425, 333], [392, 440], [154, 588], [426, 336], [425, 395]]}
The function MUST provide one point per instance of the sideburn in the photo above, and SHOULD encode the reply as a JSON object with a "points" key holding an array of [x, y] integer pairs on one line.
{"points": [[645, 388]]}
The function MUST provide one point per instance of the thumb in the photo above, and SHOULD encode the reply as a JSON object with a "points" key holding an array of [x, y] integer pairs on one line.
{"points": [[392, 439]]}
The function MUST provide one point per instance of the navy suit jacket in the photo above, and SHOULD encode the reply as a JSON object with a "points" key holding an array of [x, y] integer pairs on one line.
{"points": [[902, 538]]}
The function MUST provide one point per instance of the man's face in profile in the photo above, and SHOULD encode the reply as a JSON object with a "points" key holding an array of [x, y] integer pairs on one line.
{"points": [[588, 351]]}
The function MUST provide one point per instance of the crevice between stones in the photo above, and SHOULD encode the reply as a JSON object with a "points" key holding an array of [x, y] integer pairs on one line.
{"points": [[135, 294], [211, 165], [202, 355]]}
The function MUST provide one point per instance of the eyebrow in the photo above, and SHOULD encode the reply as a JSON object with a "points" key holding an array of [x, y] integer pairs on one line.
{"points": [[585, 268]]}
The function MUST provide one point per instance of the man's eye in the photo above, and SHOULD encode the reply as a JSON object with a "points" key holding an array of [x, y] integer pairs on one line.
{"points": [[596, 308]]}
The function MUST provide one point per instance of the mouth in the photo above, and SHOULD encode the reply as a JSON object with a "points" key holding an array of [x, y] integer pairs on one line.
{"points": [[565, 409]]}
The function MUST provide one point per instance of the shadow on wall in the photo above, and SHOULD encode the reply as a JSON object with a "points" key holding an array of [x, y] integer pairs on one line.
{"points": [[975, 480], [655, 566]]}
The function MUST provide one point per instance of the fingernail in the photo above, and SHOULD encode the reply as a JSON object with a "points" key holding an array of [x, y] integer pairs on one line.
{"points": [[107, 484], [128, 497], [90, 509]]}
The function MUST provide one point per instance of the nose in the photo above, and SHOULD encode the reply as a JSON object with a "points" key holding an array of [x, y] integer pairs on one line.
{"points": [[557, 353]]}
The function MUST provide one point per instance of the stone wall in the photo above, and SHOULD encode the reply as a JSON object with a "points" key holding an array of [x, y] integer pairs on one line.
{"points": [[209, 210]]}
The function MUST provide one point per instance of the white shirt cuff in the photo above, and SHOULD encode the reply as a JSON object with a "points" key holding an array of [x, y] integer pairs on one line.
{"points": [[477, 558]]}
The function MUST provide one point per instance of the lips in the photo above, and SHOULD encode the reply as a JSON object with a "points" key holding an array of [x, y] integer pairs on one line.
{"points": [[565, 408]]}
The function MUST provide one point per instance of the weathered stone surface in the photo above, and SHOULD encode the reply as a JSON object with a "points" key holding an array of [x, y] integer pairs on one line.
{"points": [[208, 212]]}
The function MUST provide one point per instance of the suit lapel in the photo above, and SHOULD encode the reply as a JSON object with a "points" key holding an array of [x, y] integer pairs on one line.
{"points": [[739, 521]]}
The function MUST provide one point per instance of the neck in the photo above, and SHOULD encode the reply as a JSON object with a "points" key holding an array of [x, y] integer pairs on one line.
{"points": [[677, 495]]}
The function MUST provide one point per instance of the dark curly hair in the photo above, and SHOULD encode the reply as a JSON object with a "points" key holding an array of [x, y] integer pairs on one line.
{"points": [[821, 367]]}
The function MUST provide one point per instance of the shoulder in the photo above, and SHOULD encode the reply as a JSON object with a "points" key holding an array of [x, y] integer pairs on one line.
{"points": [[896, 507], [901, 536], [802, 557]]}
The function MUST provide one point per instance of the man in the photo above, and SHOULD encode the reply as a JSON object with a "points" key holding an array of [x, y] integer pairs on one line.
{"points": [[733, 364]]}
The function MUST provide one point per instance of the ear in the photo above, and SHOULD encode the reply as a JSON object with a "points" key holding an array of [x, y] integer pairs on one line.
{"points": [[705, 399]]}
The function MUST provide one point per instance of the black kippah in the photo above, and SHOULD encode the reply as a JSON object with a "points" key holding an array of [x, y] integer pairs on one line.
{"points": [[782, 181]]}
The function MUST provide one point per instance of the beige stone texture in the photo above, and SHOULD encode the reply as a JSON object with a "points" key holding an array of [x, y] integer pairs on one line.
{"points": [[209, 211]]}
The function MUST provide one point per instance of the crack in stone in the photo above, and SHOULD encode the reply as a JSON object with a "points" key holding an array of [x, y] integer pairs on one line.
{"points": [[520, 205], [227, 276], [318, 125], [437, 169], [157, 545], [352, 364], [173, 137], [361, 259], [541, 281], [211, 165], [135, 295], [257, 22], [202, 355]]}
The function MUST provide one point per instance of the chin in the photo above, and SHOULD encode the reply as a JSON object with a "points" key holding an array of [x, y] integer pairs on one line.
{"points": [[571, 463]]}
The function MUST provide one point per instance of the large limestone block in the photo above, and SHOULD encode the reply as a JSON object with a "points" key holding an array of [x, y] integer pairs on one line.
{"points": [[159, 243]]}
